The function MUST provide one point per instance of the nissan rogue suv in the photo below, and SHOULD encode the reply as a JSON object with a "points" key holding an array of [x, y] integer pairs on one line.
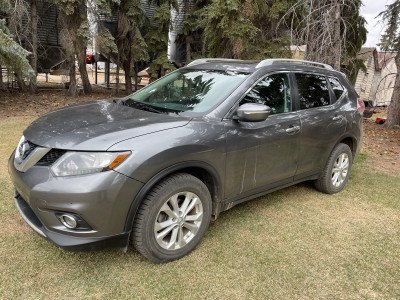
{"points": [[153, 168]]}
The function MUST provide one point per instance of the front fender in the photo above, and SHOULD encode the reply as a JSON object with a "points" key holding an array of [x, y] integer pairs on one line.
{"points": [[164, 173]]}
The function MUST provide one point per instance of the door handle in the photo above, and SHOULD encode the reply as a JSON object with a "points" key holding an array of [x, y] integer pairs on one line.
{"points": [[336, 118], [293, 129]]}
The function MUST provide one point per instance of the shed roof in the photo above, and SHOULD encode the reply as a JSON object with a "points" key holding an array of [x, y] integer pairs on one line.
{"points": [[365, 54]]}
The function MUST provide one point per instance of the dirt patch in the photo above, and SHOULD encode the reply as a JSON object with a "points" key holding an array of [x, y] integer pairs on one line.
{"points": [[49, 97], [382, 145]]}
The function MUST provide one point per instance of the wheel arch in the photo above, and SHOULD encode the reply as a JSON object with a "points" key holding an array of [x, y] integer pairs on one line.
{"points": [[349, 141], [203, 171]]}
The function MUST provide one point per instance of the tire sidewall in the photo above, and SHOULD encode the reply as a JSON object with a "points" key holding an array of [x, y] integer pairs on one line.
{"points": [[191, 186], [339, 149]]}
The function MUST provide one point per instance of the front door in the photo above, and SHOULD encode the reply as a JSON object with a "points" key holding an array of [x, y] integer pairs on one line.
{"points": [[262, 155]]}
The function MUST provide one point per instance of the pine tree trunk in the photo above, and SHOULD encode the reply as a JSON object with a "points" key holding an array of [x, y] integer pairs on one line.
{"points": [[1, 78], [124, 37], [135, 76], [310, 32], [128, 82], [81, 56], [117, 80], [21, 83], [72, 89], [188, 49], [337, 44], [34, 43], [187, 37], [393, 117]]}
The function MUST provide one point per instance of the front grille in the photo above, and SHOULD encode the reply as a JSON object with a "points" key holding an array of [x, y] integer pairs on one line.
{"points": [[31, 147], [50, 157]]}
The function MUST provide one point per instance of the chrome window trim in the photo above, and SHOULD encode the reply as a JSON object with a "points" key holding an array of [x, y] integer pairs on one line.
{"points": [[228, 115]]}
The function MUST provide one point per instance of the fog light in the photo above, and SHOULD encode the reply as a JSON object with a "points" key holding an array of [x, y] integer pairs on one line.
{"points": [[68, 221]]}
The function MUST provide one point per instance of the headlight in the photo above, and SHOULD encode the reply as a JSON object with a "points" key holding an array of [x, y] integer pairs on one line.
{"points": [[79, 163]]}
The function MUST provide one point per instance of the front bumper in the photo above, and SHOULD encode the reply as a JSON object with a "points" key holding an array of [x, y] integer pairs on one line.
{"points": [[101, 199], [66, 242]]}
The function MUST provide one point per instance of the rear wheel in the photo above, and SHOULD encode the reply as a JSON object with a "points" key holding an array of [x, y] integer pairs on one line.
{"points": [[172, 218], [336, 171]]}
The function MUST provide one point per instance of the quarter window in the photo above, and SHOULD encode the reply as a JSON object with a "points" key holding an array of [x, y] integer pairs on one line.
{"points": [[337, 88], [273, 91], [313, 91]]}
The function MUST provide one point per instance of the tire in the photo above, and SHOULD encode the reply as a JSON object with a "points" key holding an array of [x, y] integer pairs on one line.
{"points": [[336, 171], [177, 211]]}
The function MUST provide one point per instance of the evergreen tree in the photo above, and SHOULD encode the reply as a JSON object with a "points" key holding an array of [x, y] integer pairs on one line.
{"points": [[356, 36], [76, 31], [131, 46], [12, 55], [390, 41], [192, 32], [157, 37], [245, 29], [126, 45]]}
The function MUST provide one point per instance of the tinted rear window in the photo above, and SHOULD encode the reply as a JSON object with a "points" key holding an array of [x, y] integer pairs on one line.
{"points": [[313, 90], [337, 87]]}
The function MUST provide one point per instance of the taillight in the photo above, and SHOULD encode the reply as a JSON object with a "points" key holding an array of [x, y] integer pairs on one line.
{"points": [[360, 104]]}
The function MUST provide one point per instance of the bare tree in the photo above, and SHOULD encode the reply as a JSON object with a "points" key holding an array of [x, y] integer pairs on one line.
{"points": [[390, 40], [67, 44], [34, 42], [331, 29]]}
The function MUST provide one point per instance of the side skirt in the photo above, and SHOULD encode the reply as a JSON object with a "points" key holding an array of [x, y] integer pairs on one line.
{"points": [[255, 193]]}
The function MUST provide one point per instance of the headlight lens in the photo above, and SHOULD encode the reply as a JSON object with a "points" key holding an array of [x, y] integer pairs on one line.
{"points": [[80, 163]]}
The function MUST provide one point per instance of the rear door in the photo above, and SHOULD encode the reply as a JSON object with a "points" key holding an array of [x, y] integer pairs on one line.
{"points": [[322, 121]]}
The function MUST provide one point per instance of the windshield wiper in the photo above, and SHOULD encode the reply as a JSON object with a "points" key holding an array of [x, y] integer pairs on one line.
{"points": [[151, 109], [137, 105]]}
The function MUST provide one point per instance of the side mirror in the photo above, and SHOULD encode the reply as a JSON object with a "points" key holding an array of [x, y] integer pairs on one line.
{"points": [[252, 112]]}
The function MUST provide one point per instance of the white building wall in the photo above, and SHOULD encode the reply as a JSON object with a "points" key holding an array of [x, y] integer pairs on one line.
{"points": [[385, 84], [364, 80]]}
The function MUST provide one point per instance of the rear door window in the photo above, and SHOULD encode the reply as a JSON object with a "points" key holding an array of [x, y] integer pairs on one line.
{"points": [[273, 91], [313, 90], [337, 87]]}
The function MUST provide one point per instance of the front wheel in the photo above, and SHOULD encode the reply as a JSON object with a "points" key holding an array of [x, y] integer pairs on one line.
{"points": [[336, 171], [172, 218]]}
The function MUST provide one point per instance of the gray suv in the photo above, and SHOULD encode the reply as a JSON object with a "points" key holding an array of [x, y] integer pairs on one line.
{"points": [[153, 168]]}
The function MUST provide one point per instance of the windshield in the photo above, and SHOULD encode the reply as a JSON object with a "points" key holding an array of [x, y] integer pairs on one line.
{"points": [[186, 90]]}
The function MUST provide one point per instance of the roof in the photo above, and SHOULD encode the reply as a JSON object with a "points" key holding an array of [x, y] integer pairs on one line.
{"points": [[250, 66], [385, 57], [365, 54], [236, 65]]}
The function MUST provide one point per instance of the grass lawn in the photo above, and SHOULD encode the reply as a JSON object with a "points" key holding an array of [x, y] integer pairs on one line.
{"points": [[294, 243]]}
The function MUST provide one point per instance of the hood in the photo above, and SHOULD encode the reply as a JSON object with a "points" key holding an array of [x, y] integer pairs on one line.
{"points": [[96, 126]]}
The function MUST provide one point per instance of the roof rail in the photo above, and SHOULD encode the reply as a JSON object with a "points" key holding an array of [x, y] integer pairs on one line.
{"points": [[268, 62], [205, 60]]}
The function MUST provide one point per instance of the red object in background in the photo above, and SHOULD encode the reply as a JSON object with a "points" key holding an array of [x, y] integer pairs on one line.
{"points": [[380, 120], [360, 104], [90, 58]]}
